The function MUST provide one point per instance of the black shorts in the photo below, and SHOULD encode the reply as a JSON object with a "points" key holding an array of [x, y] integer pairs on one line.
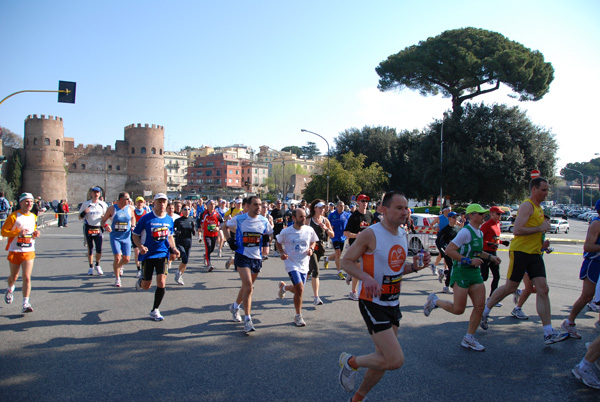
{"points": [[521, 263], [338, 245], [379, 318], [241, 261], [153, 264]]}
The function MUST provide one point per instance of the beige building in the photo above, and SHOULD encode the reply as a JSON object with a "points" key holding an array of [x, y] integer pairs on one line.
{"points": [[176, 167]]}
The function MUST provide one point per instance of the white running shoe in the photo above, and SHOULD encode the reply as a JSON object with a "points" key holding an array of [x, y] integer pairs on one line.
{"points": [[588, 377], [155, 315], [91, 271], [8, 297], [555, 337], [235, 313], [99, 270], [440, 272], [472, 344], [353, 296], [249, 327], [281, 291], [27, 308], [220, 253], [570, 328], [121, 272], [139, 274], [299, 321], [430, 304], [118, 282], [228, 263], [347, 373], [518, 313], [447, 290], [318, 301]]}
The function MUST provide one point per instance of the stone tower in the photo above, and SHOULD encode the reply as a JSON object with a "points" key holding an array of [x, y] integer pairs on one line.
{"points": [[44, 173], [146, 162]]}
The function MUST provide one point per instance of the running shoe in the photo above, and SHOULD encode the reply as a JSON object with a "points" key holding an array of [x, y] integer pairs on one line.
{"points": [[318, 301], [180, 280], [484, 322], [118, 282], [594, 307], [340, 275], [430, 304], [91, 271], [281, 291], [211, 268], [447, 290], [139, 274], [518, 313], [440, 272], [299, 321], [98, 270], [220, 253], [347, 373], [121, 272], [348, 279], [353, 296], [326, 262], [570, 328], [265, 257], [8, 297], [249, 327], [516, 296], [235, 313], [432, 266], [587, 376], [138, 284], [555, 337], [228, 263], [155, 315], [472, 344], [27, 308], [177, 276]]}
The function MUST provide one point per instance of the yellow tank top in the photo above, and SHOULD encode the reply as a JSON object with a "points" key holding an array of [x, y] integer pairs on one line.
{"points": [[530, 244]]}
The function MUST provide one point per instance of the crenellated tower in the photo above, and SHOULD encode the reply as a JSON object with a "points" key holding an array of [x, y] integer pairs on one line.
{"points": [[146, 162], [44, 173]]}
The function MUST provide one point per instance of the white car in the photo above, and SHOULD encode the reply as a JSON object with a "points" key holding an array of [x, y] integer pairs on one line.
{"points": [[559, 225]]}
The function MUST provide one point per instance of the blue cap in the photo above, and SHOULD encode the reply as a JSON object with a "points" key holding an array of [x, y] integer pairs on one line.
{"points": [[598, 205], [451, 214], [96, 189]]}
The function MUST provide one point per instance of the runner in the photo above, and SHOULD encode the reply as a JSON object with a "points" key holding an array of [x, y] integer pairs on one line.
{"points": [[491, 239], [266, 241], [230, 214], [296, 245], [358, 221], [526, 256], [339, 220], [91, 212], [140, 210], [466, 249], [184, 230], [246, 231], [211, 221], [442, 241], [278, 215], [154, 237], [123, 220], [221, 209], [21, 230], [589, 273], [323, 229], [382, 250]]}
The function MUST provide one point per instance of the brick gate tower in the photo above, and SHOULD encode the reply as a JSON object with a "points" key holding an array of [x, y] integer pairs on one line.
{"points": [[146, 162]]}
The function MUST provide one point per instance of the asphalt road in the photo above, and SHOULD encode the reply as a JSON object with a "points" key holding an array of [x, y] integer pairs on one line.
{"points": [[89, 341]]}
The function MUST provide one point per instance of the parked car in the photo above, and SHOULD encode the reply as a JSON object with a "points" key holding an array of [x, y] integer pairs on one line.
{"points": [[591, 216], [584, 216], [559, 225], [423, 219], [557, 212]]}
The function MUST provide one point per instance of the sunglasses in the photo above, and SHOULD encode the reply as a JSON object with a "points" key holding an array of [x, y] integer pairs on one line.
{"points": [[185, 209]]}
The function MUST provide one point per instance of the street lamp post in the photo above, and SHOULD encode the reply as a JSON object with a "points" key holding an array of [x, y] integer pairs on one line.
{"points": [[581, 182], [328, 171], [442, 161]]}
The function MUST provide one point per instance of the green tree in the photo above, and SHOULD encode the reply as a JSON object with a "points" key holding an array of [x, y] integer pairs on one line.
{"points": [[310, 150], [14, 172], [10, 139], [488, 155], [296, 150], [378, 144], [464, 63], [349, 176]]}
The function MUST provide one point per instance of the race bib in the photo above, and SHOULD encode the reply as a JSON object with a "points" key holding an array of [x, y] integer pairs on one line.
{"points": [[121, 226], [390, 288], [279, 220], [251, 239], [364, 225], [160, 233], [93, 231], [211, 228], [25, 241]]}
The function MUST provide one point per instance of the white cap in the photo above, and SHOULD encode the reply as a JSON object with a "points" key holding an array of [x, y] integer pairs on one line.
{"points": [[161, 196], [26, 196]]}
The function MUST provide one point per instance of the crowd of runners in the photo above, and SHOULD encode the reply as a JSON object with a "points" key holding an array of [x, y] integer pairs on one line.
{"points": [[306, 235]]}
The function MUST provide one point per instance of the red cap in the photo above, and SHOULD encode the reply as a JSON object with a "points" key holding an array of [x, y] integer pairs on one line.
{"points": [[496, 210], [363, 197]]}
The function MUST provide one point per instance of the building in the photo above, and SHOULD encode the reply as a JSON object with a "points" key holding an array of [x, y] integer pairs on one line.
{"points": [[176, 167], [215, 171], [254, 176]]}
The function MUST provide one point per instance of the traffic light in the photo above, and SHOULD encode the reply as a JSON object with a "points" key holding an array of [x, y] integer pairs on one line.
{"points": [[66, 92]]}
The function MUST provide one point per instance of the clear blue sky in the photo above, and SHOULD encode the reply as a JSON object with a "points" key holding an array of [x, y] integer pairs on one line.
{"points": [[219, 73]]}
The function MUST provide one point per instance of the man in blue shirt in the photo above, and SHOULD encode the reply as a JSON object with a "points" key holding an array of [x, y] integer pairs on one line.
{"points": [[153, 235], [339, 220]]}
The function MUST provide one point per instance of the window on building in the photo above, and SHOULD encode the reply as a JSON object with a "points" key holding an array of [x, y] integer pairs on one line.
{"points": [[231, 172], [208, 173], [35, 141], [118, 167], [58, 143], [237, 180], [218, 172], [229, 180], [237, 172], [160, 151], [46, 141], [153, 151], [83, 166], [74, 166], [132, 150], [109, 167], [143, 150]]}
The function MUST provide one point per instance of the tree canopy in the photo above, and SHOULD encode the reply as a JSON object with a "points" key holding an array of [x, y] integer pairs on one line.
{"points": [[293, 149], [10, 139], [464, 63], [310, 150]]}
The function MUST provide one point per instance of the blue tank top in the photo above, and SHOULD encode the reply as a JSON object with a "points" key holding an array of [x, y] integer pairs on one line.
{"points": [[592, 256], [121, 223], [443, 223]]}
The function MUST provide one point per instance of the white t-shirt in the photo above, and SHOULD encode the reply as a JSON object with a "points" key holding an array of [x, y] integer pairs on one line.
{"points": [[97, 210], [464, 236], [296, 243]]}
